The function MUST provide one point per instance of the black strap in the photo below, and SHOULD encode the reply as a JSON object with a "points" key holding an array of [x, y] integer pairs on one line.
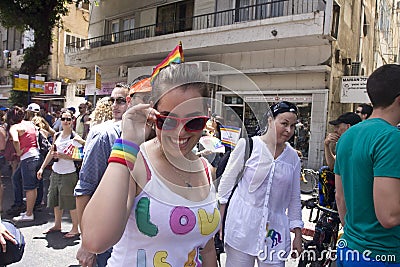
{"points": [[247, 154]]}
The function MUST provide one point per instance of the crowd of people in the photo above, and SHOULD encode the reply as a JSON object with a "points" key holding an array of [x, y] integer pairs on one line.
{"points": [[143, 184]]}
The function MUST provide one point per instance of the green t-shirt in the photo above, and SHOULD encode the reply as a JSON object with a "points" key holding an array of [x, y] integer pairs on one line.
{"points": [[367, 150]]}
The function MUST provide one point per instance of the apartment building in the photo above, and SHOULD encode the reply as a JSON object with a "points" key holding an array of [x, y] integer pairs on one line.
{"points": [[252, 51], [13, 42]]}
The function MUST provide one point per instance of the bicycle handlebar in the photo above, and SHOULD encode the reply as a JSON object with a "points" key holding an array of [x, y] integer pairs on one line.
{"points": [[312, 204]]}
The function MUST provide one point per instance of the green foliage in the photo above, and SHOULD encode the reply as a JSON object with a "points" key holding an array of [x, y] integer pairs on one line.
{"points": [[18, 98], [39, 15]]}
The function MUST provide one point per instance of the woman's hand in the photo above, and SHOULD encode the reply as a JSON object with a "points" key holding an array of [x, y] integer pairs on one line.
{"points": [[297, 246], [39, 174], [137, 123], [5, 235]]}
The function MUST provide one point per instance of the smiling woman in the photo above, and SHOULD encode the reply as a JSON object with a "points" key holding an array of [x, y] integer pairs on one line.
{"points": [[162, 209], [268, 195]]}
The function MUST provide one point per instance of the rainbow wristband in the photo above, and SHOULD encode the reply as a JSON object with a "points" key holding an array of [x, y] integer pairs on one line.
{"points": [[124, 152]]}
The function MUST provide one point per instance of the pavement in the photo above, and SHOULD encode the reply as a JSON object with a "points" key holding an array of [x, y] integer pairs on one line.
{"points": [[52, 250]]}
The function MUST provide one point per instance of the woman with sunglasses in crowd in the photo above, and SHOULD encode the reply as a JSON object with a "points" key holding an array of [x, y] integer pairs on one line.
{"points": [[155, 203], [63, 177], [257, 225]]}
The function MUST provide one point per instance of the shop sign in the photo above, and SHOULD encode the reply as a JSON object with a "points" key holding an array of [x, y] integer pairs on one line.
{"points": [[354, 90], [106, 88], [21, 83], [275, 98], [52, 88]]}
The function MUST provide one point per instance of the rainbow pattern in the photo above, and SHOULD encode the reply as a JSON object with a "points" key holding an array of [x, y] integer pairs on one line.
{"points": [[175, 56]]}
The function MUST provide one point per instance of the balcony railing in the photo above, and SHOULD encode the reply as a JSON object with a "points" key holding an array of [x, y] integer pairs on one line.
{"points": [[275, 8]]}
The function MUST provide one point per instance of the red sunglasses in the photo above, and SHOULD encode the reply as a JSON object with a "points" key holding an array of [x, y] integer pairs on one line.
{"points": [[191, 124]]}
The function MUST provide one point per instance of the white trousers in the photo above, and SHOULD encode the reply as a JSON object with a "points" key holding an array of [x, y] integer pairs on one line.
{"points": [[237, 258]]}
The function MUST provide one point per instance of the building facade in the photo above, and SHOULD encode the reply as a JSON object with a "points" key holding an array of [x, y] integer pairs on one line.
{"points": [[13, 43], [253, 51]]}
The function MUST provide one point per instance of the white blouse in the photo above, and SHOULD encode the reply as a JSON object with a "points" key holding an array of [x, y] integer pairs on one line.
{"points": [[253, 208]]}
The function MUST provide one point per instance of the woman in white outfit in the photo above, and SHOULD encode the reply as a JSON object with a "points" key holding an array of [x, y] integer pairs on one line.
{"points": [[266, 205]]}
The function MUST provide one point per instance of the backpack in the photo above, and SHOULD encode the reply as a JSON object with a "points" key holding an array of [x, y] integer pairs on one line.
{"points": [[43, 144], [14, 252], [218, 243]]}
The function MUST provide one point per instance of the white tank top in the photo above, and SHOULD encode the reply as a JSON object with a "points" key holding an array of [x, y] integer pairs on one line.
{"points": [[169, 230]]}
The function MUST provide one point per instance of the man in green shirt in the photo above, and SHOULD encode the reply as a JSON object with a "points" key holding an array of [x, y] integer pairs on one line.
{"points": [[368, 178]]}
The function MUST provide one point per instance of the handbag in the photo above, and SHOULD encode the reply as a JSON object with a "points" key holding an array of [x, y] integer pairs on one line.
{"points": [[9, 151], [14, 252]]}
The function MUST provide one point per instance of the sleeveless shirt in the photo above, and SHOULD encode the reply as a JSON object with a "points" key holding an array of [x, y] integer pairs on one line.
{"points": [[164, 228]]}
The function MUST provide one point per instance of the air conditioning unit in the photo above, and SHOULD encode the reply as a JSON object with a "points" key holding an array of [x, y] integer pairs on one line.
{"points": [[123, 71]]}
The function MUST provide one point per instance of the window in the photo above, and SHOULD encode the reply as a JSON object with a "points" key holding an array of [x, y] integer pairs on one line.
{"points": [[176, 17], [269, 8], [384, 20], [115, 31], [335, 20], [128, 25], [73, 42]]}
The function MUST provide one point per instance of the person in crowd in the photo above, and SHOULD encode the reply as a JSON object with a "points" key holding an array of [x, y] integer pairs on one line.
{"points": [[102, 112], [32, 110], [367, 176], [140, 90], [48, 133], [23, 134], [81, 123], [3, 163], [341, 124], [97, 150], [234, 120], [64, 177], [168, 189], [270, 186], [57, 121], [364, 111]]}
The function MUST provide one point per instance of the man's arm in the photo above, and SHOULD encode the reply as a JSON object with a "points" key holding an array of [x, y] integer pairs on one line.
{"points": [[330, 158], [387, 201], [86, 126], [341, 204]]}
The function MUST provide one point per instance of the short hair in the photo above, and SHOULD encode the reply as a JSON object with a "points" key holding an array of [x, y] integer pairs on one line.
{"points": [[383, 85], [122, 87], [366, 109], [184, 76]]}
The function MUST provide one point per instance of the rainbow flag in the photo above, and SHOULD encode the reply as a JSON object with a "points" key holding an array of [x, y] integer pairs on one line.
{"points": [[175, 56], [230, 135]]}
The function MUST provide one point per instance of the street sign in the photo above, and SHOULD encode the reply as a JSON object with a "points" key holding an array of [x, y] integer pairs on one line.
{"points": [[354, 90], [97, 77], [52, 88], [21, 83]]}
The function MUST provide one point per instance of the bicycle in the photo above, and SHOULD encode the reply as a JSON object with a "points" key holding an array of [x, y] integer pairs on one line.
{"points": [[309, 181], [321, 250]]}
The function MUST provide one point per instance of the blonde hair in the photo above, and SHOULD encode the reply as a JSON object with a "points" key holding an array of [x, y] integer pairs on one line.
{"points": [[102, 112], [183, 75]]}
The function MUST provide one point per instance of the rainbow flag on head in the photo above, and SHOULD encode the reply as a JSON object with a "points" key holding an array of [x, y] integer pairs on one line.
{"points": [[175, 56]]}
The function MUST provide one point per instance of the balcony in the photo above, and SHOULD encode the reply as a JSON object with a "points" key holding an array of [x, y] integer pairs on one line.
{"points": [[247, 28]]}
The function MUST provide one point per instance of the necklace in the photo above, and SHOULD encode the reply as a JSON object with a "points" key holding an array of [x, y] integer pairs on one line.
{"points": [[184, 179]]}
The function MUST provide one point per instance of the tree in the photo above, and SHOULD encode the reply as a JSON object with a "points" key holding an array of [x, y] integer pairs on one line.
{"points": [[39, 15]]}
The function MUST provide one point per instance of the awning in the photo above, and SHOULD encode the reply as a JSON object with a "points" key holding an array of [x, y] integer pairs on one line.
{"points": [[48, 97]]}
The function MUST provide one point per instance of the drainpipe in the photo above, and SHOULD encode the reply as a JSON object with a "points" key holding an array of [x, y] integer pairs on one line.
{"points": [[58, 54], [360, 43]]}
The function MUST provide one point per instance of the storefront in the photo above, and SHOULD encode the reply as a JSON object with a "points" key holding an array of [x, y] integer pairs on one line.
{"points": [[250, 107]]}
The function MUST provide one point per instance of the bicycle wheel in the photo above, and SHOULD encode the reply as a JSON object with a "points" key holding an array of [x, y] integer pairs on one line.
{"points": [[309, 183]]}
